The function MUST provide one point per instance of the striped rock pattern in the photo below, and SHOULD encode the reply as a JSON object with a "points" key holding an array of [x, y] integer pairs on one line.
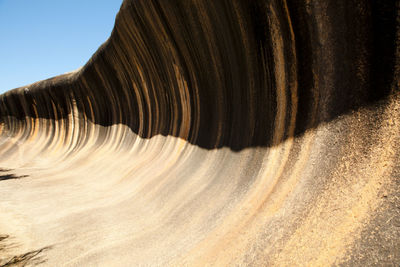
{"points": [[212, 132]]}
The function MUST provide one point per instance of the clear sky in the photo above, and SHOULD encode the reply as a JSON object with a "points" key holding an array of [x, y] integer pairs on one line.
{"points": [[40, 39]]}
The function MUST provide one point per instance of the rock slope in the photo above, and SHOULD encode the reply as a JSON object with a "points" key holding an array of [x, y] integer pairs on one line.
{"points": [[212, 132]]}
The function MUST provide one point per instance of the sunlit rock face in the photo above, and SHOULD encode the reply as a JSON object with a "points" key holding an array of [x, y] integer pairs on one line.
{"points": [[214, 133]]}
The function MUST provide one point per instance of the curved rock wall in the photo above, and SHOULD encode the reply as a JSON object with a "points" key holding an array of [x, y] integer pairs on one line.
{"points": [[212, 133]]}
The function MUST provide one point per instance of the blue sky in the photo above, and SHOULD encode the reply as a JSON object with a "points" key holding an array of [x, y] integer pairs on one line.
{"points": [[44, 38]]}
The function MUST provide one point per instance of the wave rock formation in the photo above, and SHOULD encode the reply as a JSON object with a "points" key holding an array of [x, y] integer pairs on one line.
{"points": [[212, 132]]}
